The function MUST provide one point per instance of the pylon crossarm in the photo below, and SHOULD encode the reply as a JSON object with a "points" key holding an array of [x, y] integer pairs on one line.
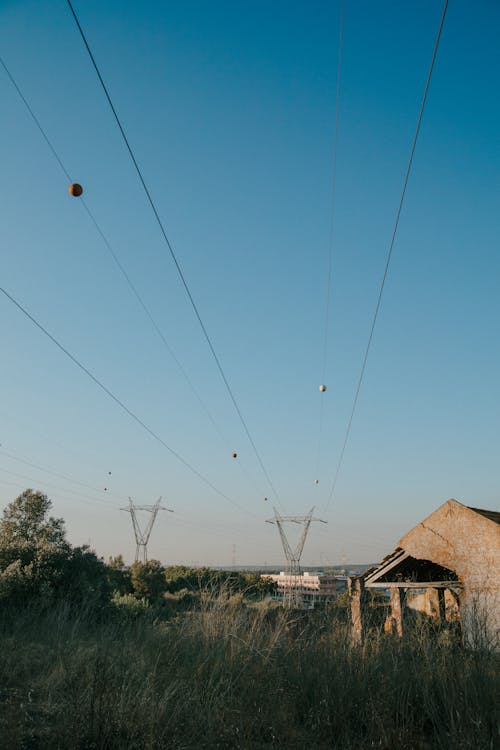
{"points": [[142, 535]]}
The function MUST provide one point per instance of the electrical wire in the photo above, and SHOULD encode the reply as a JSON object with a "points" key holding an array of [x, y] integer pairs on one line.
{"points": [[389, 255], [179, 516], [121, 498], [121, 404], [331, 234], [208, 528], [125, 274], [216, 530], [43, 483], [59, 476], [172, 253], [47, 437]]}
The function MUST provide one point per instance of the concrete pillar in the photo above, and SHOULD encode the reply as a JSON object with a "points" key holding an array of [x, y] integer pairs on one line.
{"points": [[397, 606], [357, 594]]}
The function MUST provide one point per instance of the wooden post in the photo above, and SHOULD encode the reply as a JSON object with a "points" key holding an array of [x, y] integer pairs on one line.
{"points": [[397, 605], [357, 594], [442, 604]]}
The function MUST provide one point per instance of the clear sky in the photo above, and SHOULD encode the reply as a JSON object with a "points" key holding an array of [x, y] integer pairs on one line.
{"points": [[230, 109]]}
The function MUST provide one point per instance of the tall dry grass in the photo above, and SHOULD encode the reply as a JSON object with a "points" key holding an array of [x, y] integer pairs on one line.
{"points": [[230, 675]]}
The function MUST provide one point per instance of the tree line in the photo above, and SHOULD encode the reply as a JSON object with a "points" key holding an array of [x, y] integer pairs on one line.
{"points": [[37, 562]]}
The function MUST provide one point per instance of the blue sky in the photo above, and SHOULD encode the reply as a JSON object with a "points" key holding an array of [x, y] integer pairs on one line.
{"points": [[230, 109]]}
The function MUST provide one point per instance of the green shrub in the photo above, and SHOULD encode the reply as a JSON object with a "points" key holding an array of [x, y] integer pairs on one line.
{"points": [[130, 605]]}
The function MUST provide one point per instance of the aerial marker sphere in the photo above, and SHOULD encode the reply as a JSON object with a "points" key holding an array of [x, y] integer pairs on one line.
{"points": [[235, 455], [75, 189], [316, 481], [322, 388]]}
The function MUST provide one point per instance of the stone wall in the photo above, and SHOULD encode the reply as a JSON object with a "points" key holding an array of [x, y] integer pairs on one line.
{"points": [[469, 544]]}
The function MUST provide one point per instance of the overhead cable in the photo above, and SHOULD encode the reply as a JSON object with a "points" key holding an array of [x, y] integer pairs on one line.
{"points": [[120, 403], [123, 271], [389, 254], [172, 252], [98, 501], [58, 475], [43, 483], [62, 446]]}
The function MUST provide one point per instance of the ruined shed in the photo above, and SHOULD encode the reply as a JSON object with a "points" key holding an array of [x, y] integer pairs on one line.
{"points": [[448, 566]]}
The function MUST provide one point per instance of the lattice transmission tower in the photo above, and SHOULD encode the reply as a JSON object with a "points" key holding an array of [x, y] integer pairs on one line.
{"points": [[142, 535], [292, 596]]}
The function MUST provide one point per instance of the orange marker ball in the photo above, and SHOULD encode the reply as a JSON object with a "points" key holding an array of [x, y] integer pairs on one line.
{"points": [[75, 189]]}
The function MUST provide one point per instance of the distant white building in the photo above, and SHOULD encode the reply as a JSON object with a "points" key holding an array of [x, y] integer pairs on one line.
{"points": [[308, 590]]}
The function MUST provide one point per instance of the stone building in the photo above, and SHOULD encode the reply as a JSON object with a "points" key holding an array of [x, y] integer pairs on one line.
{"points": [[448, 567]]}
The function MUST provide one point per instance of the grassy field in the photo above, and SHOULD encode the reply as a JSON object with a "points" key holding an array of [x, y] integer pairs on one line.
{"points": [[228, 675]]}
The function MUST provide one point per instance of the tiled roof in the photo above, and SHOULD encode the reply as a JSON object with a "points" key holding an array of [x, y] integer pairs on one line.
{"points": [[492, 515]]}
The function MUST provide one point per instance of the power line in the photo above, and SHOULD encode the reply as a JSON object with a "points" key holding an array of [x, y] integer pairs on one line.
{"points": [[57, 474], [389, 254], [94, 501], [29, 425], [223, 531], [44, 483], [120, 403], [35, 118], [331, 232], [65, 477], [124, 272], [171, 251]]}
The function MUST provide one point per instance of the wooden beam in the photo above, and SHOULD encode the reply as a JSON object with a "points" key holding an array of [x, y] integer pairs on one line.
{"points": [[413, 585], [388, 565]]}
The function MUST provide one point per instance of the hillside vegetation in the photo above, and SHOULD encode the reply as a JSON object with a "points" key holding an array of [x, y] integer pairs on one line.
{"points": [[95, 655]]}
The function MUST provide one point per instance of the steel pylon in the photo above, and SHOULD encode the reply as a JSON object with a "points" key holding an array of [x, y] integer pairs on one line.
{"points": [[142, 535], [292, 596]]}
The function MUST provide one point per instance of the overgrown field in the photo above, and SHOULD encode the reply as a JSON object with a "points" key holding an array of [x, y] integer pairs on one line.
{"points": [[228, 674]]}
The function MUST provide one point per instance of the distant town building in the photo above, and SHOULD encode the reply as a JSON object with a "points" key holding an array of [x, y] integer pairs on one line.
{"points": [[308, 590], [447, 567]]}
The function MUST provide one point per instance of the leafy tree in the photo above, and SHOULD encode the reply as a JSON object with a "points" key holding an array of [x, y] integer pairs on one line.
{"points": [[117, 563], [148, 580], [33, 546], [83, 579], [36, 560], [258, 586], [119, 575], [25, 530], [180, 577]]}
